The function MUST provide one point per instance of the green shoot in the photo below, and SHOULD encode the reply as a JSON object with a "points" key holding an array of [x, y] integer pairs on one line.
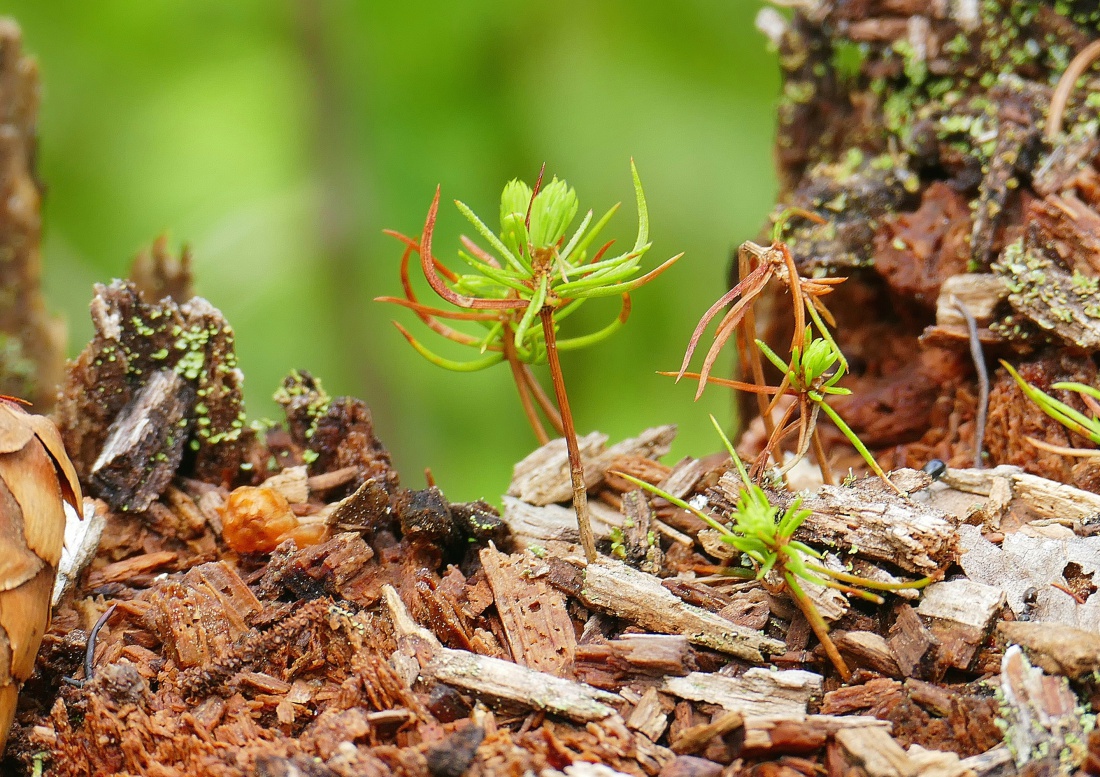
{"points": [[765, 535], [1069, 417], [534, 275]]}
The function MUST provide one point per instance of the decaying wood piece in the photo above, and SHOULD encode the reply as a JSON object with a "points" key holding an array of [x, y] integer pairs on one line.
{"points": [[649, 716], [640, 545], [959, 614], [36, 481], [81, 543], [1046, 498], [696, 738], [640, 598], [543, 477], [646, 654], [757, 693], [495, 678], [800, 733], [1036, 573], [875, 523], [135, 343], [537, 524], [1042, 713], [145, 444], [538, 628], [32, 344]]}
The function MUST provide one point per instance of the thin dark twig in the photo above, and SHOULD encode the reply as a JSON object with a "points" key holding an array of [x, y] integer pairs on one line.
{"points": [[89, 650], [983, 377]]}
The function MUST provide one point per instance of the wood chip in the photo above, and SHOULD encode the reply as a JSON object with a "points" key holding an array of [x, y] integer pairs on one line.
{"points": [[650, 715], [758, 692], [640, 598], [504, 680], [873, 523], [540, 633], [542, 478]]}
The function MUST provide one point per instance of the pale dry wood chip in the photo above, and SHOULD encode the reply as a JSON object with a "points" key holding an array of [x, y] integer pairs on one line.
{"points": [[758, 692], [542, 478], [499, 679], [292, 483], [627, 593], [962, 601]]}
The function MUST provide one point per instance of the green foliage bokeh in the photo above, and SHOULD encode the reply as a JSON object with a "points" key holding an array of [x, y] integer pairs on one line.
{"points": [[279, 138]]}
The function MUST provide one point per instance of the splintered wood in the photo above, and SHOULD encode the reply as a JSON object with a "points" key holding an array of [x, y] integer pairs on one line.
{"points": [[640, 598]]}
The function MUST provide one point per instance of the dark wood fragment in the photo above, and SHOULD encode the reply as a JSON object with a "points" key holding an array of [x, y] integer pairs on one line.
{"points": [[145, 444]]}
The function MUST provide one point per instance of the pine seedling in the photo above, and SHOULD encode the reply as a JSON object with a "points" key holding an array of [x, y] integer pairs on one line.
{"points": [[533, 276], [765, 535]]}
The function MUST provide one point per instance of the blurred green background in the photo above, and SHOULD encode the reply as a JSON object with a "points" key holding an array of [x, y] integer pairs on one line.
{"points": [[279, 138]]}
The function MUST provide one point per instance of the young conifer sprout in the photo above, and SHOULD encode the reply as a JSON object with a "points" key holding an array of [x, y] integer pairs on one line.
{"points": [[765, 535], [534, 274]]}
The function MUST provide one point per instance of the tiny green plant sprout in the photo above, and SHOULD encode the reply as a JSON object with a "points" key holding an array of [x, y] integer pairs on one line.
{"points": [[534, 275], [1074, 420], [765, 535], [757, 266], [811, 376]]}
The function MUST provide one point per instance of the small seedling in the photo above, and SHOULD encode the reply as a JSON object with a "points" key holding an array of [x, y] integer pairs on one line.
{"points": [[1074, 420], [758, 265], [765, 534], [534, 272]]}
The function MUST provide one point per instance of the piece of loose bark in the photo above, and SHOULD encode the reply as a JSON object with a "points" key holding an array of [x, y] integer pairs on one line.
{"points": [[498, 679], [539, 630], [640, 598], [959, 614], [145, 444], [758, 692], [639, 536], [911, 642], [1046, 498], [1055, 648], [694, 739], [1023, 563], [800, 733], [542, 478], [866, 648]]}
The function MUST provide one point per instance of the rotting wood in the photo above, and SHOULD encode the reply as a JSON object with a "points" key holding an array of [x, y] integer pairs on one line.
{"points": [[640, 545], [959, 615], [647, 654], [81, 544], [540, 633], [1041, 712], [640, 598], [495, 678], [880, 755], [1029, 568], [868, 649], [911, 642], [1046, 498], [876, 524], [145, 444], [542, 478], [758, 692]]}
